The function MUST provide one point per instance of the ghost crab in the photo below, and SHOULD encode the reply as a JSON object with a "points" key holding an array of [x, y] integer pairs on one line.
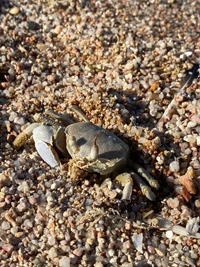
{"points": [[93, 148]]}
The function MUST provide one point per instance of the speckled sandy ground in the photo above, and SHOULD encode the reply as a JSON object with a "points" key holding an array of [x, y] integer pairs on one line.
{"points": [[121, 62]]}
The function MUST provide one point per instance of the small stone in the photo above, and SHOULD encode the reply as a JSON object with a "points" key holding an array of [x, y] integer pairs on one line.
{"points": [[191, 124], [19, 120], [12, 116], [197, 203], [174, 166], [41, 46], [64, 262], [169, 234], [14, 10], [51, 240], [28, 223], [159, 252], [78, 252], [98, 264], [4, 180], [198, 140], [129, 65], [137, 240], [34, 26], [128, 226], [151, 249], [58, 29], [111, 252], [19, 234], [126, 245], [173, 202], [8, 248], [5, 225], [190, 138], [53, 253]]}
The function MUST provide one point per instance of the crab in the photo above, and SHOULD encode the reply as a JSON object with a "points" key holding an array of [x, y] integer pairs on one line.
{"points": [[93, 148]]}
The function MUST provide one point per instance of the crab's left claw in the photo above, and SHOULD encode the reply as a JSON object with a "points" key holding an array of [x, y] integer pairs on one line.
{"points": [[43, 138]]}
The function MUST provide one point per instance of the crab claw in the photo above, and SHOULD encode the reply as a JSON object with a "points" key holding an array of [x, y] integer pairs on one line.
{"points": [[43, 138]]}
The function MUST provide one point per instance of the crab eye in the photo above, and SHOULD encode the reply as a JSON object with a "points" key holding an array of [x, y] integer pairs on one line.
{"points": [[94, 150], [71, 142]]}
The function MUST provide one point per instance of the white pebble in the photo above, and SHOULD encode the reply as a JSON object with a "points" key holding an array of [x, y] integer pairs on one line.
{"points": [[190, 138], [12, 116], [5, 225], [19, 120], [53, 253], [169, 234], [98, 264], [137, 240], [129, 65], [174, 166], [191, 124], [198, 140], [64, 262]]}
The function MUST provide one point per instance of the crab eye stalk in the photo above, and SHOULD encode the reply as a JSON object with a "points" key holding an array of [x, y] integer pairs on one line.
{"points": [[94, 153], [71, 141]]}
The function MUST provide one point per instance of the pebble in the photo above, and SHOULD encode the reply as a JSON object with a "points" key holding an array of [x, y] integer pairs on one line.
{"points": [[197, 203], [98, 264], [190, 138], [34, 26], [8, 248], [12, 116], [64, 262], [174, 166], [198, 140], [53, 252], [173, 202], [14, 10], [169, 234], [58, 29], [5, 225], [41, 46]]}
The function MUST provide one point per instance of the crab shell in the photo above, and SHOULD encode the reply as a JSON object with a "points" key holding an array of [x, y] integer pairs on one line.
{"points": [[112, 154]]}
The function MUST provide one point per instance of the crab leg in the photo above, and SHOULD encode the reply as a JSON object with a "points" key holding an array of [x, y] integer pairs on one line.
{"points": [[64, 119], [146, 190], [80, 113], [152, 182], [126, 181], [24, 135]]}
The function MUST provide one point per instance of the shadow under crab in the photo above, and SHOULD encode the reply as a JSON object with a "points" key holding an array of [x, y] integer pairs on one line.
{"points": [[93, 148]]}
